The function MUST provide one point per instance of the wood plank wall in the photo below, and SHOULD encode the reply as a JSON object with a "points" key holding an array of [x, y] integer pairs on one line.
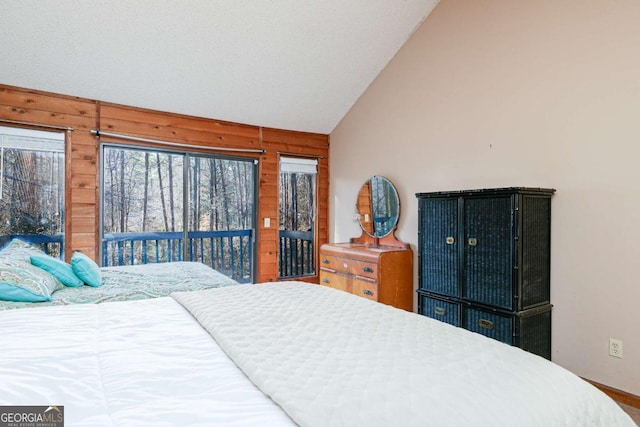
{"points": [[290, 144], [80, 177], [82, 209]]}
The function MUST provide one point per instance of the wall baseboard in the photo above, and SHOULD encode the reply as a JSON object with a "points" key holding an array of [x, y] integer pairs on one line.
{"points": [[618, 395]]}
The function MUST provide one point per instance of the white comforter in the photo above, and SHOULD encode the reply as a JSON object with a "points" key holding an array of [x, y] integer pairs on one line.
{"points": [[136, 363], [331, 358]]}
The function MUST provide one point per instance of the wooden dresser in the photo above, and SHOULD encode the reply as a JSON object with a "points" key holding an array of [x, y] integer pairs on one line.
{"points": [[380, 273]]}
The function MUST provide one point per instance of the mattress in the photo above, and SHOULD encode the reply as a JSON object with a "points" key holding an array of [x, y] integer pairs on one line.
{"points": [[134, 282]]}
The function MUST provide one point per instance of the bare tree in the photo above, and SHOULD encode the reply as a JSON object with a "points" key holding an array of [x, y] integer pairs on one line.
{"points": [[171, 202], [145, 200], [164, 207]]}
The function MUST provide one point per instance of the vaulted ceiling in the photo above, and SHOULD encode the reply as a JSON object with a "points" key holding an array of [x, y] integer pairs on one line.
{"points": [[291, 64]]}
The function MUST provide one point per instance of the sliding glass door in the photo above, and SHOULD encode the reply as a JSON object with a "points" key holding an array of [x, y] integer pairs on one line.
{"points": [[150, 195], [221, 214]]}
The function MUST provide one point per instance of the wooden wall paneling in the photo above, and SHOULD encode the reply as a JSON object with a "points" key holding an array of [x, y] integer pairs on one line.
{"points": [[281, 142], [45, 108], [182, 135], [303, 139], [165, 119], [55, 106], [267, 239], [82, 202], [172, 127]]}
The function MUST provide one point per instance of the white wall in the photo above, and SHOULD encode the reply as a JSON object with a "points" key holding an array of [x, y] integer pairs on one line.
{"points": [[501, 93]]}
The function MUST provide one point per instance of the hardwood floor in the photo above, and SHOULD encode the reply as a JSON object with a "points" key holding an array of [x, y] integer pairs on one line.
{"points": [[632, 411], [630, 403]]}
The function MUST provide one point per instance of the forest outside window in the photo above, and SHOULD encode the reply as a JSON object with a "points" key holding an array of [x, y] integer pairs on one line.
{"points": [[163, 206], [297, 207], [32, 194]]}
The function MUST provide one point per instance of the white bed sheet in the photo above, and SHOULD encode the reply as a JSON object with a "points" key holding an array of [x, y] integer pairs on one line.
{"points": [[135, 363]]}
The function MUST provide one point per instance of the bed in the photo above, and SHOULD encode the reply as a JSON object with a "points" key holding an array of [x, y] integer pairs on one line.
{"points": [[123, 283], [280, 354], [133, 282]]}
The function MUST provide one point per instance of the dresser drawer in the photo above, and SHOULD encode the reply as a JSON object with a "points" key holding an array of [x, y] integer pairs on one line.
{"points": [[365, 288], [350, 266], [439, 309], [329, 277], [529, 329], [379, 273], [490, 324]]}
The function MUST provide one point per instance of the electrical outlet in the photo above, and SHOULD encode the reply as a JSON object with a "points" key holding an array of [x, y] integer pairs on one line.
{"points": [[615, 348], [267, 222]]}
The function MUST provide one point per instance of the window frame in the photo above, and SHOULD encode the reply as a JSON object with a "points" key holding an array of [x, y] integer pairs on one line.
{"points": [[304, 162], [63, 137]]}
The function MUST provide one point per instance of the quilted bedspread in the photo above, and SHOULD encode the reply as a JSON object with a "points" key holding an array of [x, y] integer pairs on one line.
{"points": [[335, 359], [134, 282]]}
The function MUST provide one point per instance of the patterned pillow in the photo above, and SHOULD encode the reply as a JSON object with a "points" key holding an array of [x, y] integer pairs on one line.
{"points": [[22, 282], [19, 250]]}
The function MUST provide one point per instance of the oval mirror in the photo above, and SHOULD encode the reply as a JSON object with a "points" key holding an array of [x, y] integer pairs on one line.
{"points": [[378, 207]]}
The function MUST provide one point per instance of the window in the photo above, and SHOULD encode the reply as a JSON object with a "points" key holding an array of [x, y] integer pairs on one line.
{"points": [[162, 206], [32, 187], [297, 216]]}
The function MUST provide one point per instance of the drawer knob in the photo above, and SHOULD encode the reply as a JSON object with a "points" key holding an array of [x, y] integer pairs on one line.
{"points": [[325, 261], [473, 241], [325, 280], [485, 324], [368, 292], [450, 240], [368, 270]]}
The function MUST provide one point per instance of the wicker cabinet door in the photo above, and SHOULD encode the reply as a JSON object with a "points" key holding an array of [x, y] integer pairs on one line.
{"points": [[488, 251], [439, 245]]}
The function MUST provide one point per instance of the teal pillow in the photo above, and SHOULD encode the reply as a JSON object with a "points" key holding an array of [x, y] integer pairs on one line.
{"points": [[59, 269], [86, 269], [23, 282]]}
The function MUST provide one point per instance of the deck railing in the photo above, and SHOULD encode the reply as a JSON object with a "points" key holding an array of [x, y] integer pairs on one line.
{"points": [[51, 244], [229, 252], [296, 254]]}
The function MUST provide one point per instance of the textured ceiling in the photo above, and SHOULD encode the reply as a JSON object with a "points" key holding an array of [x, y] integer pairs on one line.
{"points": [[290, 64]]}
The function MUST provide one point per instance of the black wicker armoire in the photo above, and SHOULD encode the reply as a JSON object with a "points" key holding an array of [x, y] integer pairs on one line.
{"points": [[484, 263]]}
